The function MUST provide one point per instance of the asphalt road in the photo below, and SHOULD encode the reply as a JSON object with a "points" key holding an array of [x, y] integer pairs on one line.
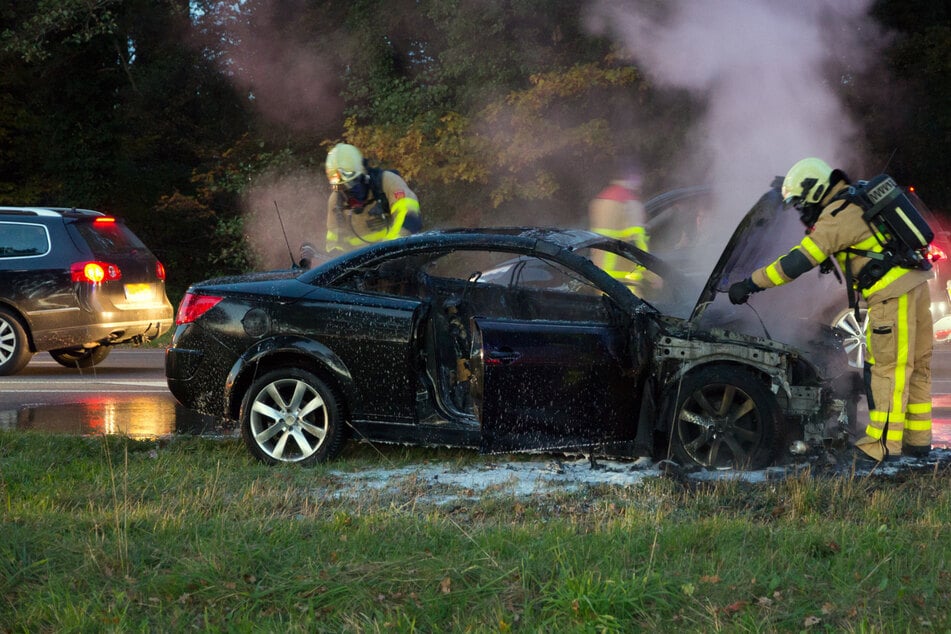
{"points": [[127, 394]]}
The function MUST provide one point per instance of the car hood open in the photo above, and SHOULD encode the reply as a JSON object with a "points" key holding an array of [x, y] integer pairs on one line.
{"points": [[792, 313], [752, 243]]}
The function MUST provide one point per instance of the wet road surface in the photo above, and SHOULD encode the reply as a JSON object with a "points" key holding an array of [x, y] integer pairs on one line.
{"points": [[127, 394]]}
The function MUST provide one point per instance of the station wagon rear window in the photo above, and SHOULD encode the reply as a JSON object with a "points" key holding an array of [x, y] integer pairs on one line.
{"points": [[107, 239]]}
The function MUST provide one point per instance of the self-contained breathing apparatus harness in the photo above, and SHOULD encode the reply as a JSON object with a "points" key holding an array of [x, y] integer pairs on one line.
{"points": [[898, 227], [380, 212]]}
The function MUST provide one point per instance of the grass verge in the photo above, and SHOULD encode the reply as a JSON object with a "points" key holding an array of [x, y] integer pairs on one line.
{"points": [[112, 534]]}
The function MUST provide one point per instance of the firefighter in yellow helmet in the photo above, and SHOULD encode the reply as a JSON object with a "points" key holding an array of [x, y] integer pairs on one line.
{"points": [[617, 212], [899, 336], [367, 205]]}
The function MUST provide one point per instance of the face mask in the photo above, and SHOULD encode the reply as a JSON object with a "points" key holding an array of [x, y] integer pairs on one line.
{"points": [[357, 194], [809, 213]]}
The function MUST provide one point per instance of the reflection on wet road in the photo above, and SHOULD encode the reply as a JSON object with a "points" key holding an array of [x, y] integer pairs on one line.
{"points": [[145, 416], [127, 394]]}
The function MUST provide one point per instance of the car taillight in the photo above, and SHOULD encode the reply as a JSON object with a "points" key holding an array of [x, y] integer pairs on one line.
{"points": [[104, 220], [159, 270], [94, 272], [194, 306], [935, 253]]}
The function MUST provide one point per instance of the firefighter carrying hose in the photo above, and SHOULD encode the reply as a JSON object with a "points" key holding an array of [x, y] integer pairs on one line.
{"points": [[617, 212], [899, 336], [367, 205]]}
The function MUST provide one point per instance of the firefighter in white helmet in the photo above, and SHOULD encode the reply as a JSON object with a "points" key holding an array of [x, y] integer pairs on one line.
{"points": [[367, 205], [899, 336]]}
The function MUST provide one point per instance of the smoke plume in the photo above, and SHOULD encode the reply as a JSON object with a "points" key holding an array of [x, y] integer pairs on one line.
{"points": [[767, 70], [770, 73]]}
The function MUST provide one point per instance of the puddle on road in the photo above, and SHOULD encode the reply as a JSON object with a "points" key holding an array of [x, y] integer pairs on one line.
{"points": [[151, 417], [136, 417]]}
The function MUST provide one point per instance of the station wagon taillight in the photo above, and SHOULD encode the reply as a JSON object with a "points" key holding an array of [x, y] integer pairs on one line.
{"points": [[159, 270], [193, 306], [94, 272]]}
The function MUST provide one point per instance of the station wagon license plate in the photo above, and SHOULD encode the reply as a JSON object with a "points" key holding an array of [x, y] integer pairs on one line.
{"points": [[139, 292]]}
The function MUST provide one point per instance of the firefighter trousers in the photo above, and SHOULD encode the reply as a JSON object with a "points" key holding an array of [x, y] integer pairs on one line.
{"points": [[898, 386]]}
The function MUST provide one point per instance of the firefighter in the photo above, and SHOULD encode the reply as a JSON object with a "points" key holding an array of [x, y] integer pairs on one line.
{"points": [[617, 212], [367, 205], [899, 336]]}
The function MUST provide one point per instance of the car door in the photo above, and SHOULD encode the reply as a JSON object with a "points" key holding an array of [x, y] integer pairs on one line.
{"points": [[557, 372], [549, 385], [375, 336]]}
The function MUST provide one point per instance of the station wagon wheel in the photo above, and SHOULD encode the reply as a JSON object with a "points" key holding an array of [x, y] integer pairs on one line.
{"points": [[290, 415], [14, 346], [725, 418], [80, 357]]}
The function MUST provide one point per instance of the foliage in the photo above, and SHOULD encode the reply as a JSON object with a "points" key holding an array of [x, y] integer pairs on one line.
{"points": [[499, 111]]}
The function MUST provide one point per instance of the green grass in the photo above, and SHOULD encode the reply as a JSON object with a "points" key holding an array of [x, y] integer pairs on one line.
{"points": [[111, 534]]}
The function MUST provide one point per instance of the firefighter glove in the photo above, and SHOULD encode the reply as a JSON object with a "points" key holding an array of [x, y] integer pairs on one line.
{"points": [[377, 219], [741, 291]]}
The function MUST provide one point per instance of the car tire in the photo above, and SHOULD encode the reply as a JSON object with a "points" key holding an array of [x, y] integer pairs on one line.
{"points": [[272, 424], [724, 418], [80, 357], [15, 350]]}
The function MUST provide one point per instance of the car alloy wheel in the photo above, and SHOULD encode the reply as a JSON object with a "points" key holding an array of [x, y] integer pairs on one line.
{"points": [[14, 347], [290, 415], [852, 332], [725, 418]]}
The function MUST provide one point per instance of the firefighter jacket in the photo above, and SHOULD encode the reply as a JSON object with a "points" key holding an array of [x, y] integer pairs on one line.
{"points": [[390, 211], [617, 212], [839, 226]]}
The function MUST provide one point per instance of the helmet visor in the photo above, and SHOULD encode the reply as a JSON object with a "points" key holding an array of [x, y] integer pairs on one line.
{"points": [[789, 198], [340, 179]]}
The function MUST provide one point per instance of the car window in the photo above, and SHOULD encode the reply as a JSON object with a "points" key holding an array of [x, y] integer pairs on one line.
{"points": [[496, 284], [538, 273], [504, 285], [642, 277], [109, 238], [19, 240]]}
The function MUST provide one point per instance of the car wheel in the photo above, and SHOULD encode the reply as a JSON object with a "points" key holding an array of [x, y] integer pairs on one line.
{"points": [[725, 418], [852, 333], [80, 357], [14, 346], [290, 415]]}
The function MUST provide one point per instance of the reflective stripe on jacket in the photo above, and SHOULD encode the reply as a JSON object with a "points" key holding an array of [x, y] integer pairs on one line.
{"points": [[839, 227]]}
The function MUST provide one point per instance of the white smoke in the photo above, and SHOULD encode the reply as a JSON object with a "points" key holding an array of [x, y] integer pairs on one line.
{"points": [[770, 74], [763, 68], [287, 76], [283, 211]]}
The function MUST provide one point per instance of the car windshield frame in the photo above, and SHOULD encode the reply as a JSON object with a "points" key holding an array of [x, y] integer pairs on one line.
{"points": [[563, 252]]}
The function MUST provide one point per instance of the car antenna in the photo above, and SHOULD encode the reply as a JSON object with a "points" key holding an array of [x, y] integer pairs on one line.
{"points": [[889, 161], [286, 241]]}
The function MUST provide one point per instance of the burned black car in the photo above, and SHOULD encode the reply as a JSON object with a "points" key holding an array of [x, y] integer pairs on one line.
{"points": [[499, 340]]}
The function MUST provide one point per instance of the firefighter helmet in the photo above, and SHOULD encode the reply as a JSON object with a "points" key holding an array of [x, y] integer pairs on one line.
{"points": [[344, 166], [806, 182]]}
